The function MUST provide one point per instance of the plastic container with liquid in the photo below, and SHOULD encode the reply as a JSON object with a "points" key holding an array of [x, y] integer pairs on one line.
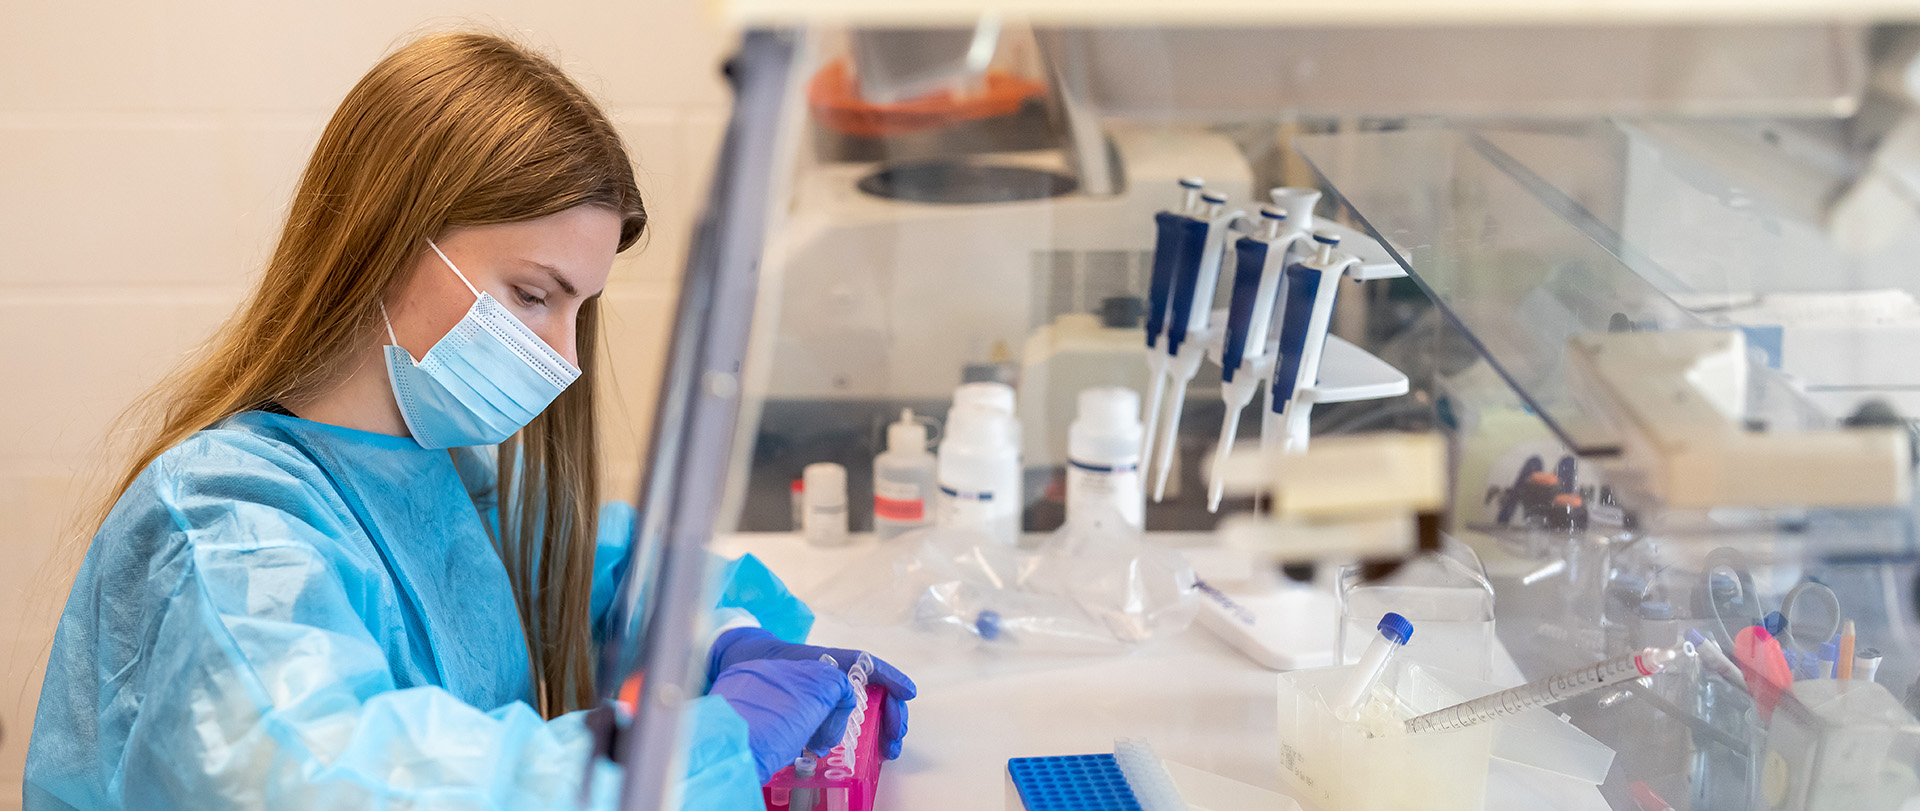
{"points": [[1103, 458], [905, 478], [978, 471]]}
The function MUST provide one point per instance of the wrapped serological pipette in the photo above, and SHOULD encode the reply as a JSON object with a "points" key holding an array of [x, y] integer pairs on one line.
{"points": [[847, 777], [1646, 662]]}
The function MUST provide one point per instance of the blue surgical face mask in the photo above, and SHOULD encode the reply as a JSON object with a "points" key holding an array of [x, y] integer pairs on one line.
{"points": [[486, 379]]}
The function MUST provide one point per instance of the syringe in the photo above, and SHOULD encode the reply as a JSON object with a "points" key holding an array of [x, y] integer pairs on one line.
{"points": [[1545, 691]]}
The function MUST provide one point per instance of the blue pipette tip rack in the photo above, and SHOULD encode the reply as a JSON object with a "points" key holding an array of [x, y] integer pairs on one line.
{"points": [[1396, 628], [1071, 783]]}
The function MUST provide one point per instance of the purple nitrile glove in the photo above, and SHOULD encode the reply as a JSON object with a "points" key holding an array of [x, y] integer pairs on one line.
{"points": [[749, 644], [787, 704]]}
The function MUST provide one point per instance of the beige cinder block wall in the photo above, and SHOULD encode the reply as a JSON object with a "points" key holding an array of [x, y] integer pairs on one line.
{"points": [[147, 152]]}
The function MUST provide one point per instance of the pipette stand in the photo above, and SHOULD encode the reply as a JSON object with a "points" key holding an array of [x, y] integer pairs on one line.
{"points": [[837, 790]]}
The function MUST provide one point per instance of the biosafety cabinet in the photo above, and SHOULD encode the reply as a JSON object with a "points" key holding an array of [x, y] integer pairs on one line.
{"points": [[1580, 332]]}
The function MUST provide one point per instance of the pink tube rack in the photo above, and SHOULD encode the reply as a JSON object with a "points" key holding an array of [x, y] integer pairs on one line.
{"points": [[836, 789]]}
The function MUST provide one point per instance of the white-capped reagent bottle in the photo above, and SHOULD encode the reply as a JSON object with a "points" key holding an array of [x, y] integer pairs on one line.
{"points": [[904, 479], [979, 474], [1103, 458], [993, 397], [824, 514]]}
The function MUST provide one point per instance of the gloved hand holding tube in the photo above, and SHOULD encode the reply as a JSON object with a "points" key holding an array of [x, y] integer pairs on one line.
{"points": [[787, 705], [741, 646]]}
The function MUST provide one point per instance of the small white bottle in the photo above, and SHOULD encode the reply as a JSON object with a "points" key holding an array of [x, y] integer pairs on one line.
{"points": [[1103, 458], [904, 478], [976, 490], [824, 520]]}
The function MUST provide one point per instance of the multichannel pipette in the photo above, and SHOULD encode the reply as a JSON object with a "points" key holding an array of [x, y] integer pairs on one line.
{"points": [[1308, 290], [1188, 311], [1260, 264], [1545, 691]]}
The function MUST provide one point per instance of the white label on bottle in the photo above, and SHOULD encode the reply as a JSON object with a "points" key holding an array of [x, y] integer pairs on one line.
{"points": [[966, 507], [1118, 485], [897, 491]]}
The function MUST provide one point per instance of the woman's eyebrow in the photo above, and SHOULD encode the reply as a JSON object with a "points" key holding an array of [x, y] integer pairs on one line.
{"points": [[558, 279]]}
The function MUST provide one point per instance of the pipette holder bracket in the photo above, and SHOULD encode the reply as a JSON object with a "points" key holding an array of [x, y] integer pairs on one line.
{"points": [[838, 791]]}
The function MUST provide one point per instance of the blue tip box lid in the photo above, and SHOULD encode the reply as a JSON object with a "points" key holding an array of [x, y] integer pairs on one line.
{"points": [[1396, 627]]}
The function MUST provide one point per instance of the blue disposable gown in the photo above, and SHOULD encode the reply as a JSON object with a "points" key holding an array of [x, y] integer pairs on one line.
{"points": [[285, 614]]}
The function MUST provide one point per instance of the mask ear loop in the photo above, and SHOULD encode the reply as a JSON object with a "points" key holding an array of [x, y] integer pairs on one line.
{"points": [[456, 271]]}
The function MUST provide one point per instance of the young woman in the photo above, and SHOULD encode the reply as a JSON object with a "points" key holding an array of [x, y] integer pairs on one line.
{"points": [[354, 565]]}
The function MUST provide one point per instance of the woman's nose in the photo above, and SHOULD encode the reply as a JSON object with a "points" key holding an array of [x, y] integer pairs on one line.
{"points": [[561, 338]]}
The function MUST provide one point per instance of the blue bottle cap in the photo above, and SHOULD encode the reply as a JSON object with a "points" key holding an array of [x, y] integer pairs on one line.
{"points": [[1396, 628], [988, 624], [1656, 610], [1774, 623]]}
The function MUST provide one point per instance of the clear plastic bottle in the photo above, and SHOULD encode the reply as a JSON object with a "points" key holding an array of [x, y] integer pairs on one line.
{"points": [[1103, 458], [979, 474], [904, 479]]}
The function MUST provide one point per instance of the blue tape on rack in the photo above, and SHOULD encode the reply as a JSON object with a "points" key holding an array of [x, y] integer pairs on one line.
{"points": [[1296, 321], [1071, 783]]}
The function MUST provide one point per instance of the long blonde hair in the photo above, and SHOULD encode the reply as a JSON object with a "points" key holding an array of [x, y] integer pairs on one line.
{"points": [[453, 129]]}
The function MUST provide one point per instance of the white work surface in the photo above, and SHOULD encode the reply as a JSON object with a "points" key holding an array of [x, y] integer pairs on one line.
{"points": [[1195, 699]]}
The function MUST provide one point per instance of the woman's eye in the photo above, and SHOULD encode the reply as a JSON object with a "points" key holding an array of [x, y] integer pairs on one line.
{"points": [[528, 299]]}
